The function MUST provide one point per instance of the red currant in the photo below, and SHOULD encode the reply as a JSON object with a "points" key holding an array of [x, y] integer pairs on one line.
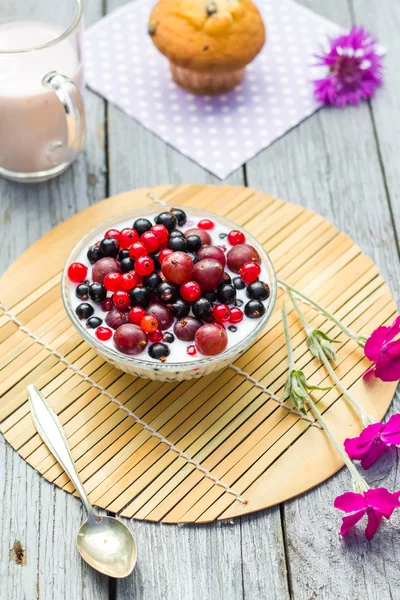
{"points": [[150, 240], [107, 305], [161, 232], [156, 336], [137, 250], [77, 272], [103, 333], [136, 315], [191, 350], [236, 237], [144, 265], [206, 224], [112, 233], [149, 324], [190, 291], [112, 282], [163, 254], [121, 299], [236, 315], [129, 281], [128, 237], [221, 313], [250, 272]]}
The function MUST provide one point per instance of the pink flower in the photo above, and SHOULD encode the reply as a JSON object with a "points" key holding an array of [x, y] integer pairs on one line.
{"points": [[373, 503], [354, 69], [374, 441], [385, 353]]}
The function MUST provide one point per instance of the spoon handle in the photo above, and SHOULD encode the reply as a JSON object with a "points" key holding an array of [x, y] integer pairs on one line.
{"points": [[51, 432]]}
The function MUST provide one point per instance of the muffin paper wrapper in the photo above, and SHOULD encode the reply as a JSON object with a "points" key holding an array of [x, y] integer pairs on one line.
{"points": [[221, 132]]}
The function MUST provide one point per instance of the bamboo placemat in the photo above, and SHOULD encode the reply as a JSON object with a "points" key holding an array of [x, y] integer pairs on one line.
{"points": [[227, 440]]}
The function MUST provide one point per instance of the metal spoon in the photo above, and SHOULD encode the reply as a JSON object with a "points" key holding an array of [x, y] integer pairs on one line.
{"points": [[105, 543]]}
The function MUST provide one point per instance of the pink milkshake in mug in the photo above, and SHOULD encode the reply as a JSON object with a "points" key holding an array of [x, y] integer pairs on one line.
{"points": [[42, 117]]}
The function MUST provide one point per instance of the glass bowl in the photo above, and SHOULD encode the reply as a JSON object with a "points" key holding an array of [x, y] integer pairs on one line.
{"points": [[168, 371]]}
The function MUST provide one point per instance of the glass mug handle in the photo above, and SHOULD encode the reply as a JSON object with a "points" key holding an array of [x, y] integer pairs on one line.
{"points": [[72, 101]]}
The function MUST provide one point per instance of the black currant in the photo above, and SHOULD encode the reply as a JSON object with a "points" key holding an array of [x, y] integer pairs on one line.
{"points": [[84, 310], [140, 296], [154, 256], [97, 291], [177, 244], [109, 247], [168, 337], [127, 264], [124, 253], [152, 281], [254, 309], [179, 308], [159, 351], [180, 215], [82, 291], [193, 243], [239, 283], [226, 293], [210, 296], [176, 233], [258, 290], [167, 292], [93, 322], [202, 308], [141, 225], [94, 254], [167, 219], [193, 257], [226, 278]]}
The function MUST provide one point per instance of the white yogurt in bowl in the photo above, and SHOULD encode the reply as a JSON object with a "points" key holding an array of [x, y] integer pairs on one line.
{"points": [[184, 359]]}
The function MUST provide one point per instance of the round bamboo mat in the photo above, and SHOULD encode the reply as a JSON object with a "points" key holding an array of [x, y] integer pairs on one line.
{"points": [[223, 421]]}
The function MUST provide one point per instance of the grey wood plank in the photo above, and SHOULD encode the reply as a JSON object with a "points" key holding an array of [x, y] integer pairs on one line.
{"points": [[39, 521], [330, 163]]}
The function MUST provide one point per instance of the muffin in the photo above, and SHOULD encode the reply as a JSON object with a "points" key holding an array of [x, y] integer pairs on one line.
{"points": [[208, 42]]}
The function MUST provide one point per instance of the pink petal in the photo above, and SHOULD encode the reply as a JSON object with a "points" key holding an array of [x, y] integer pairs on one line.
{"points": [[375, 451], [351, 445], [369, 434], [388, 363], [374, 520], [382, 500], [394, 330], [391, 431], [350, 501], [375, 342], [351, 520]]}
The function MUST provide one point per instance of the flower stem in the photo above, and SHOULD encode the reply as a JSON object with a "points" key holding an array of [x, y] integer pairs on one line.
{"points": [[359, 483], [351, 334], [287, 339]]}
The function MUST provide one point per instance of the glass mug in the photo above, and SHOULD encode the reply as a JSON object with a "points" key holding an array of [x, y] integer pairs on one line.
{"points": [[42, 116]]}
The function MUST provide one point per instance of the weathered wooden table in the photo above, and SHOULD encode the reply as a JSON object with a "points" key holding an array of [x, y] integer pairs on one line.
{"points": [[340, 163]]}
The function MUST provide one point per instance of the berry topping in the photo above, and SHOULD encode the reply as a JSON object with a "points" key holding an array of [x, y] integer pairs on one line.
{"points": [[163, 254], [107, 305], [177, 267], [250, 272], [159, 351], [141, 225], [109, 247], [150, 240], [128, 237], [179, 308], [82, 291], [206, 224], [169, 220], [93, 322], [137, 250], [161, 232], [77, 272], [236, 237], [211, 339], [130, 339], [254, 309], [202, 309], [97, 292], [103, 267], [177, 244], [156, 336], [140, 296], [185, 329], [190, 291], [94, 254], [241, 254], [168, 293], [121, 299], [136, 315], [212, 252], [236, 315], [84, 310], [221, 313], [208, 272], [193, 243], [116, 318], [112, 233], [239, 283], [164, 316], [129, 281], [112, 282], [258, 290], [201, 233], [226, 293], [103, 333], [179, 214], [144, 265], [127, 264], [149, 323], [168, 337], [191, 350]]}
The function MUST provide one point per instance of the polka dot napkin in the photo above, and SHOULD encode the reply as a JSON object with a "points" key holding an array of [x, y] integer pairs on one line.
{"points": [[219, 132]]}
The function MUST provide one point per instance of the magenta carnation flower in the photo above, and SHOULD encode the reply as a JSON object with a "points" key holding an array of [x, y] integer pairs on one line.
{"points": [[374, 441], [383, 349], [354, 65], [376, 504]]}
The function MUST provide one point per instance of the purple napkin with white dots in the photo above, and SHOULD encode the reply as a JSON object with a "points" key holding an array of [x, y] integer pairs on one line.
{"points": [[221, 132]]}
